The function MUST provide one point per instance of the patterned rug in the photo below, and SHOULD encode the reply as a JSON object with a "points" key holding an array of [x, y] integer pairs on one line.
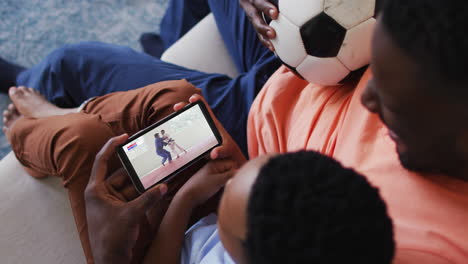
{"points": [[30, 29]]}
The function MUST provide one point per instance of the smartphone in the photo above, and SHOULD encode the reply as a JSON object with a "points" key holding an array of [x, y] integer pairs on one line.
{"points": [[164, 149]]}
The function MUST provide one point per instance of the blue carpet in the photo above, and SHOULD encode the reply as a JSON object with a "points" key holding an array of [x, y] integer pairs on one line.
{"points": [[30, 29]]}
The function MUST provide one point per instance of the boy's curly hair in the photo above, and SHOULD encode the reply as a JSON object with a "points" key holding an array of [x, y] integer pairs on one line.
{"points": [[306, 208]]}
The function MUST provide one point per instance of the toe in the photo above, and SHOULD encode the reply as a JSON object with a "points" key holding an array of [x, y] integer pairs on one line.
{"points": [[16, 92], [6, 118], [12, 90], [23, 90], [11, 107], [32, 90]]}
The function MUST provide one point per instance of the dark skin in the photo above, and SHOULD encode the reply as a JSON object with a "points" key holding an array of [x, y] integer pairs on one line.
{"points": [[168, 241], [426, 126], [254, 10], [114, 223], [107, 212], [100, 194], [429, 134], [225, 160]]}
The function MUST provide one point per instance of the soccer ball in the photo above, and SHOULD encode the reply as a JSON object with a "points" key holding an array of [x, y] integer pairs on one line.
{"points": [[324, 41]]}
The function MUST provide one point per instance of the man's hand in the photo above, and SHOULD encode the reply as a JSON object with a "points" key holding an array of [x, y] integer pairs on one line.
{"points": [[254, 9], [206, 182], [229, 149], [113, 224]]}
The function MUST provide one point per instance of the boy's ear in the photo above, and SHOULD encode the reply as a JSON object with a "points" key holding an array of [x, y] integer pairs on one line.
{"points": [[235, 247]]}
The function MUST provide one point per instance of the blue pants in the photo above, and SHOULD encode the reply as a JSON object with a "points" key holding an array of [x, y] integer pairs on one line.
{"points": [[166, 155], [74, 73]]}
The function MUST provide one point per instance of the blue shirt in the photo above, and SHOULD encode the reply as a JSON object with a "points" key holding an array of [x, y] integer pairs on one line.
{"points": [[202, 244]]}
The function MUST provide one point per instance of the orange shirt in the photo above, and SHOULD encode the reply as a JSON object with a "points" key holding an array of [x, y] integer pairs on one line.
{"points": [[430, 212]]}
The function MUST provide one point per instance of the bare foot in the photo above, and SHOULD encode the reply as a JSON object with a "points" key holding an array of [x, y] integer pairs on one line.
{"points": [[10, 116], [30, 103]]}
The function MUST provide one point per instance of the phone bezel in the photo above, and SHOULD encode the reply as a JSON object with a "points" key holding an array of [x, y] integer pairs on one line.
{"points": [[128, 165]]}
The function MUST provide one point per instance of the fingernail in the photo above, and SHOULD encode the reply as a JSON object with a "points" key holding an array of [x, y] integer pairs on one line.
{"points": [[271, 12]]}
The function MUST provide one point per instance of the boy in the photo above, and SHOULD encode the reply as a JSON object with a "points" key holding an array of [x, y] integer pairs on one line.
{"points": [[292, 208]]}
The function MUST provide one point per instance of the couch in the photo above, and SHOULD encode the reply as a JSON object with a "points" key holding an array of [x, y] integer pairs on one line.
{"points": [[37, 224]]}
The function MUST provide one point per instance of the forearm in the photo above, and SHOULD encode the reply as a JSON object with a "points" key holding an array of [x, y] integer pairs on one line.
{"points": [[112, 258], [167, 245]]}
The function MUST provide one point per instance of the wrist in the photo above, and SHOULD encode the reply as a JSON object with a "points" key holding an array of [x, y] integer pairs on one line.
{"points": [[110, 251], [109, 258]]}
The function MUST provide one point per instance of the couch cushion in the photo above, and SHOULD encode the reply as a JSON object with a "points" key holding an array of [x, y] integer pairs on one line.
{"points": [[197, 56], [37, 225]]}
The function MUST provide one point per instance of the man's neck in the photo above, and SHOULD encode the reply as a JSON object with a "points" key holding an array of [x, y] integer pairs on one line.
{"points": [[453, 182]]}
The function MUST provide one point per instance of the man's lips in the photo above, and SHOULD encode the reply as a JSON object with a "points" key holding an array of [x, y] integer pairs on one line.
{"points": [[401, 146], [392, 134]]}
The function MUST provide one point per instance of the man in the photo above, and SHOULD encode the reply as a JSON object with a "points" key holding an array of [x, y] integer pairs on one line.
{"points": [[159, 145], [429, 210], [417, 97]]}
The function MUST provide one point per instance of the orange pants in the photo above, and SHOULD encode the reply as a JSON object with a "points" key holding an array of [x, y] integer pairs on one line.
{"points": [[65, 146]]}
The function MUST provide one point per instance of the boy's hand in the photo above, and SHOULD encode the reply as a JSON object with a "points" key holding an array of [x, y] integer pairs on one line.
{"points": [[206, 182], [113, 224], [229, 149], [254, 9]]}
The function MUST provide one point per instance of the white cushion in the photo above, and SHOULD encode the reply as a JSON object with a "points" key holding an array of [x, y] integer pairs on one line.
{"points": [[202, 49]]}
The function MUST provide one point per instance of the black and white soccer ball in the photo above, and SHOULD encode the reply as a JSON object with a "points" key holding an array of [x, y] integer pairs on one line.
{"points": [[324, 41]]}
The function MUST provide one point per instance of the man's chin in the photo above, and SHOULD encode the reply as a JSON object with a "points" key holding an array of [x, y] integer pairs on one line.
{"points": [[414, 164], [426, 161], [405, 161]]}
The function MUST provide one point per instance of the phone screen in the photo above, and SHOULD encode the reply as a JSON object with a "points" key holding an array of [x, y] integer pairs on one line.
{"points": [[167, 147]]}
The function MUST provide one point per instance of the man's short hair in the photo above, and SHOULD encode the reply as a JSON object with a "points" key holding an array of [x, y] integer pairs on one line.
{"points": [[433, 33], [306, 208]]}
